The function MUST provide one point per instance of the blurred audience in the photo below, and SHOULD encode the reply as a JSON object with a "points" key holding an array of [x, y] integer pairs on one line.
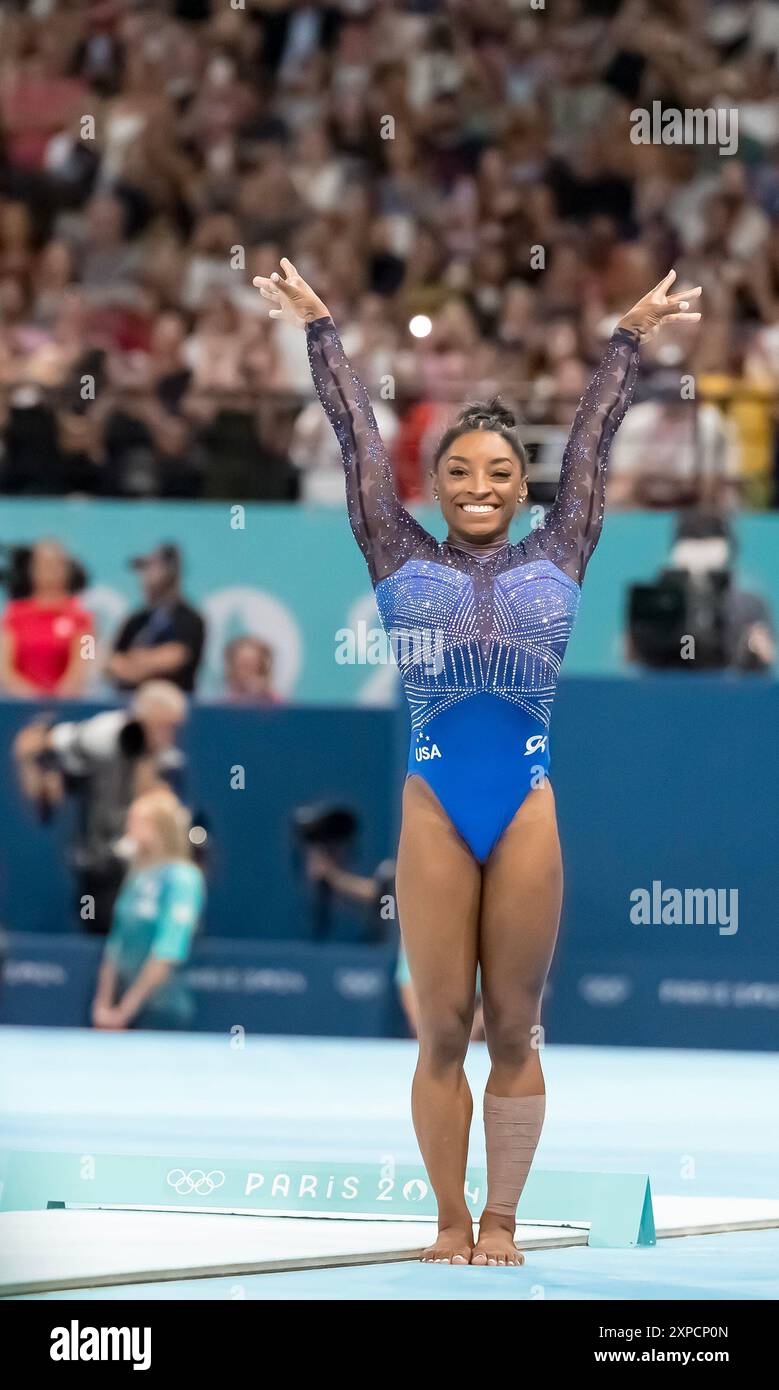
{"points": [[248, 672], [670, 452], [503, 198]]}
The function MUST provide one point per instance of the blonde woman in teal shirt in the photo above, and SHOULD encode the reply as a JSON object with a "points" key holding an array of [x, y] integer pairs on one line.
{"points": [[155, 918]]}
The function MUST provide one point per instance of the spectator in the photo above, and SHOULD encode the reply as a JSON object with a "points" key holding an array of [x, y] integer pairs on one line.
{"points": [[248, 672], [671, 453], [41, 645], [155, 918], [110, 266], [165, 638], [103, 763], [318, 463]]}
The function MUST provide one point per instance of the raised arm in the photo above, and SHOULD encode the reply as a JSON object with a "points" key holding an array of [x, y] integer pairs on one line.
{"points": [[573, 524], [386, 533]]}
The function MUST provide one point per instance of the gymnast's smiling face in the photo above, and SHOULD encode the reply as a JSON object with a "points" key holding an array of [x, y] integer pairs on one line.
{"points": [[479, 482]]}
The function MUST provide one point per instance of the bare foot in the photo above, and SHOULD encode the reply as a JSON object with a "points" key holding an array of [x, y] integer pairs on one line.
{"points": [[495, 1245], [452, 1247]]}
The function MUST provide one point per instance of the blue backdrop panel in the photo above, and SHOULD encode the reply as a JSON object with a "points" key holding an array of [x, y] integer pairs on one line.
{"points": [[667, 779], [662, 998], [289, 757], [670, 778], [263, 987]]}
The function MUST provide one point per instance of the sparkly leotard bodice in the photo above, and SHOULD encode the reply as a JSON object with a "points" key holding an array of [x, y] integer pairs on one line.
{"points": [[487, 634]]}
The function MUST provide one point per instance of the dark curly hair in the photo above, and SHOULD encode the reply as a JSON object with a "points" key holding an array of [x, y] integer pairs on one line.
{"points": [[485, 415]]}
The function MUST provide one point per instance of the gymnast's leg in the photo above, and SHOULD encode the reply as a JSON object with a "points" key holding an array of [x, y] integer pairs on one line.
{"points": [[520, 914], [438, 887]]}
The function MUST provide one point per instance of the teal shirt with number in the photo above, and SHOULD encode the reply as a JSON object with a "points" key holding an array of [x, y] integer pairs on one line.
{"points": [[157, 913]]}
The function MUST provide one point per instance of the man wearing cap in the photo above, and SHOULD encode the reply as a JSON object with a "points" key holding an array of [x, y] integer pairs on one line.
{"points": [[165, 638]]}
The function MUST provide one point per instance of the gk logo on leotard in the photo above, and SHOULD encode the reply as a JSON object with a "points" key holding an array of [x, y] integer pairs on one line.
{"points": [[536, 744]]}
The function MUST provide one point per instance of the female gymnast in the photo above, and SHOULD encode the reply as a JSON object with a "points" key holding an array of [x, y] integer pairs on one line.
{"points": [[480, 626]]}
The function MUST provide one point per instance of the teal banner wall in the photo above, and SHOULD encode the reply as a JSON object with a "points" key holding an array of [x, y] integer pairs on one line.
{"points": [[294, 576]]}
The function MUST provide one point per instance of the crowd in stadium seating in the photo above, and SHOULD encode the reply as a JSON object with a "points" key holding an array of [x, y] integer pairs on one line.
{"points": [[468, 161]]}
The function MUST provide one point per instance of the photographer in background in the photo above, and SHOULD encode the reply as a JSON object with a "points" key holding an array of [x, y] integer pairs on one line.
{"points": [[376, 892], [696, 597], [43, 624], [165, 638], [324, 833], [103, 763]]}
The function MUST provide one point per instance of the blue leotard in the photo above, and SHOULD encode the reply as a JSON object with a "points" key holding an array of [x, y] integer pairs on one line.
{"points": [[479, 641]]}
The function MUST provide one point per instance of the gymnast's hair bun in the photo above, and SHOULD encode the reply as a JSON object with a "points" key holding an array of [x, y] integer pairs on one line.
{"points": [[487, 415]]}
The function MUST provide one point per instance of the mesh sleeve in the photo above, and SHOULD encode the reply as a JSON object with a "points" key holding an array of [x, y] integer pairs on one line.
{"points": [[386, 533], [573, 524]]}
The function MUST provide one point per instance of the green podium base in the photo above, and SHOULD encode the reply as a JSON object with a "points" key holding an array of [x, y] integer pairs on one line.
{"points": [[617, 1207]]}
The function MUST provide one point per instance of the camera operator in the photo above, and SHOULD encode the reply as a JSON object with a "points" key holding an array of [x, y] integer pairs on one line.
{"points": [[376, 892], [696, 597], [103, 763]]}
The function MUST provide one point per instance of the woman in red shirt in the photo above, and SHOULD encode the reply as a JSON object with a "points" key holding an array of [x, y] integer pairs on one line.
{"points": [[40, 644]]}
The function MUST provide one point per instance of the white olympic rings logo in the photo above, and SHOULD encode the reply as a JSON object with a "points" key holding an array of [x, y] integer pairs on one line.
{"points": [[195, 1181]]}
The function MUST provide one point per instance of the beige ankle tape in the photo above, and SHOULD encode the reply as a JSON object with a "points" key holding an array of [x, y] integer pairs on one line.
{"points": [[512, 1128]]}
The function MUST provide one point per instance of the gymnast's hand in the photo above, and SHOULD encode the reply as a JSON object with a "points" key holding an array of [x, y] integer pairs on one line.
{"points": [[292, 299], [659, 307]]}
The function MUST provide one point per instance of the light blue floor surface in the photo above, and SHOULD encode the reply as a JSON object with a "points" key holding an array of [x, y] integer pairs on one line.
{"points": [[741, 1265], [700, 1123]]}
